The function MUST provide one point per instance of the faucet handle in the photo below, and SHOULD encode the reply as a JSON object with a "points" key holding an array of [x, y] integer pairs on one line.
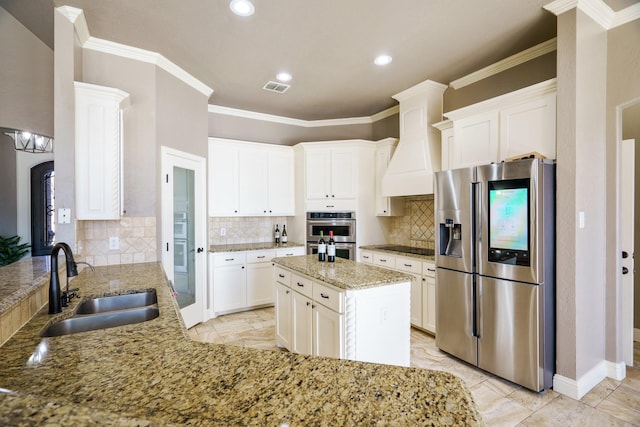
{"points": [[68, 295]]}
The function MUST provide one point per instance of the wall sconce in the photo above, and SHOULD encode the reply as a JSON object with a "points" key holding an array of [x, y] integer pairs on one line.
{"points": [[29, 142]]}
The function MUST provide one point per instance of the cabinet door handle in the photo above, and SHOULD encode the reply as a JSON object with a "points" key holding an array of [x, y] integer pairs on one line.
{"points": [[243, 267], [324, 296], [288, 291], [308, 303]]}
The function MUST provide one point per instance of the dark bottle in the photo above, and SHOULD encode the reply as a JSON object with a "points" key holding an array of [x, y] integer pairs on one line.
{"points": [[322, 248], [283, 238], [277, 235], [331, 248]]}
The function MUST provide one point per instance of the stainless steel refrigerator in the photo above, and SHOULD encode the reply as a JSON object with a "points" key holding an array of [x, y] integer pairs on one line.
{"points": [[495, 268]]}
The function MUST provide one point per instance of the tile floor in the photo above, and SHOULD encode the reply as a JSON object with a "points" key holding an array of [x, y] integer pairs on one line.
{"points": [[501, 403]]}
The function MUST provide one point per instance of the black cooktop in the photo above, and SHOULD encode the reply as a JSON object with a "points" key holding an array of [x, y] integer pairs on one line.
{"points": [[408, 250]]}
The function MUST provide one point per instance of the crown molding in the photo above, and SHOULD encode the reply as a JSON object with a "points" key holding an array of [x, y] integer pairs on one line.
{"points": [[521, 95], [76, 17], [597, 10], [426, 86], [148, 56], [228, 111], [510, 62]]}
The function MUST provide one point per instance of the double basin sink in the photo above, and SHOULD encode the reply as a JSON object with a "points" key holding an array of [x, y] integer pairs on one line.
{"points": [[107, 312]]}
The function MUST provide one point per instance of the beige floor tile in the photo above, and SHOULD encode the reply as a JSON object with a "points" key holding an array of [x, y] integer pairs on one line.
{"points": [[497, 410], [532, 400], [600, 392], [623, 403], [564, 411]]}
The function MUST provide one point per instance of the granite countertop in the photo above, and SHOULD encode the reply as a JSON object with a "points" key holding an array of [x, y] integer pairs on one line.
{"points": [[151, 373], [343, 273], [21, 277], [388, 248], [240, 247]]}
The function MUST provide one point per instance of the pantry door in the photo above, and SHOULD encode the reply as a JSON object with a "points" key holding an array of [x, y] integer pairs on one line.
{"points": [[184, 231]]}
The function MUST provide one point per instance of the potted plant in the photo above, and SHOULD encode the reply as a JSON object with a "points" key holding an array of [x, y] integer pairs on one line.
{"points": [[11, 250]]}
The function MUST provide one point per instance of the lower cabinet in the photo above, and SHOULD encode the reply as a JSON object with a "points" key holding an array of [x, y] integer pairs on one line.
{"points": [[318, 319], [243, 280]]}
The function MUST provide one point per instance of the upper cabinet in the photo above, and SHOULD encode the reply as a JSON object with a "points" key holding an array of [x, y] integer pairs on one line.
{"points": [[250, 179], [330, 173], [98, 151], [386, 206], [508, 126]]}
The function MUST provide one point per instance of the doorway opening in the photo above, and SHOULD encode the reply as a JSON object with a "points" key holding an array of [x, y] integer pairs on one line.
{"points": [[42, 208]]}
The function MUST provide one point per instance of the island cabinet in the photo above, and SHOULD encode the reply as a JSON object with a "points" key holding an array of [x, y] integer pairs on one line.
{"points": [[250, 179], [423, 284], [318, 318], [242, 280], [504, 127]]}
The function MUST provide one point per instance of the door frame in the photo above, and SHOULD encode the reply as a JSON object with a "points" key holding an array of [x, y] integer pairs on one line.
{"points": [[626, 170], [171, 157]]}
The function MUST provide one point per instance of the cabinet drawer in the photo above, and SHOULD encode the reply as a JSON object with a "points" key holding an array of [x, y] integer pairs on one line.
{"points": [[229, 258], [384, 260], [366, 257], [283, 276], [298, 250], [428, 269], [410, 265], [328, 297], [260, 256], [302, 285]]}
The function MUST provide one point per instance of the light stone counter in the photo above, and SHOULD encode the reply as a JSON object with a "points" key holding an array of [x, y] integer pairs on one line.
{"points": [[241, 247], [151, 373], [343, 273]]}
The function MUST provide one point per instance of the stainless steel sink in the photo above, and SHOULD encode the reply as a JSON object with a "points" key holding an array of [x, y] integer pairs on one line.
{"points": [[118, 302], [104, 320]]}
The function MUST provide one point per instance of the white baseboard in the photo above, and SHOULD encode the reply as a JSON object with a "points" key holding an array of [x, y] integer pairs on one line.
{"points": [[617, 371], [575, 389], [636, 334]]}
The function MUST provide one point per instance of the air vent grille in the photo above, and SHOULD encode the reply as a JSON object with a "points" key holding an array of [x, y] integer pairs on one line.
{"points": [[276, 87]]}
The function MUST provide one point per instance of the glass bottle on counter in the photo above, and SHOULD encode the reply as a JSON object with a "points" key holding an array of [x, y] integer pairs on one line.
{"points": [[331, 248], [277, 235], [284, 238], [322, 247]]}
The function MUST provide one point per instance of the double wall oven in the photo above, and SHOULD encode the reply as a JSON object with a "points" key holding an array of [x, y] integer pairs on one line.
{"points": [[343, 225]]}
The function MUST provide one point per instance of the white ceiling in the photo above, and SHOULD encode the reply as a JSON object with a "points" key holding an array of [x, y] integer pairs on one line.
{"points": [[328, 46]]}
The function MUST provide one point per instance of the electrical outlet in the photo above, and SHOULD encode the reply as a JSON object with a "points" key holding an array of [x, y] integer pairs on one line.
{"points": [[114, 243], [223, 231]]}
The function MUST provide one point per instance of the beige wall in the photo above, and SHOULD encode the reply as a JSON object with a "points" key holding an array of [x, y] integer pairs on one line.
{"points": [[623, 89], [531, 72]]}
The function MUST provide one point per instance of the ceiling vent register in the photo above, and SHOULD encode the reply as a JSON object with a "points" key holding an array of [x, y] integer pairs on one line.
{"points": [[276, 87]]}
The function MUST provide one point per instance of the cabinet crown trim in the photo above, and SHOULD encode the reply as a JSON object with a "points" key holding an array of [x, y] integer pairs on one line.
{"points": [[507, 100]]}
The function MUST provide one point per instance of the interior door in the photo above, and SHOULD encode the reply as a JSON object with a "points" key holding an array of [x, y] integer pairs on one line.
{"points": [[184, 231], [626, 238]]}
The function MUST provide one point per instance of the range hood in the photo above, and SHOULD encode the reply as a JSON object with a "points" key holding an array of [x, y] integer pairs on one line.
{"points": [[417, 156]]}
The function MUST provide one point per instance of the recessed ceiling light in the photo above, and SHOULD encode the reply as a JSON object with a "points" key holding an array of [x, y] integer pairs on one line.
{"points": [[382, 60], [242, 7], [284, 77]]}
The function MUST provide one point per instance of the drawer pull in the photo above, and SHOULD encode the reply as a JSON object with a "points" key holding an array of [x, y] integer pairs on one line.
{"points": [[289, 254], [325, 296], [365, 256], [433, 270], [383, 260], [229, 259], [262, 256], [281, 275], [300, 284], [408, 265]]}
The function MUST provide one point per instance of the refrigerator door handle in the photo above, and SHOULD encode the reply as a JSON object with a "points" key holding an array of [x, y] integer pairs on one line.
{"points": [[477, 316]]}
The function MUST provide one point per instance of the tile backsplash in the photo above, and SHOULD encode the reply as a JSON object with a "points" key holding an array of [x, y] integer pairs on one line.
{"points": [[136, 235], [416, 228], [243, 229]]}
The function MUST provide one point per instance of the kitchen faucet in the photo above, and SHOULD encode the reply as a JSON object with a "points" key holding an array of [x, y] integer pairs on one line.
{"points": [[55, 297]]}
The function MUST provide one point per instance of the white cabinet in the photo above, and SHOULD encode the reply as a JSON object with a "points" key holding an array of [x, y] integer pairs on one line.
{"points": [[501, 128], [366, 257], [98, 151], [476, 141], [250, 179], [283, 297], [223, 178], [330, 174], [229, 282], [423, 285], [386, 206], [244, 279], [318, 319]]}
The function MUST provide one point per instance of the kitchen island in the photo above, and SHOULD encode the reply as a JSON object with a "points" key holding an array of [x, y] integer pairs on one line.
{"points": [[151, 373]]}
